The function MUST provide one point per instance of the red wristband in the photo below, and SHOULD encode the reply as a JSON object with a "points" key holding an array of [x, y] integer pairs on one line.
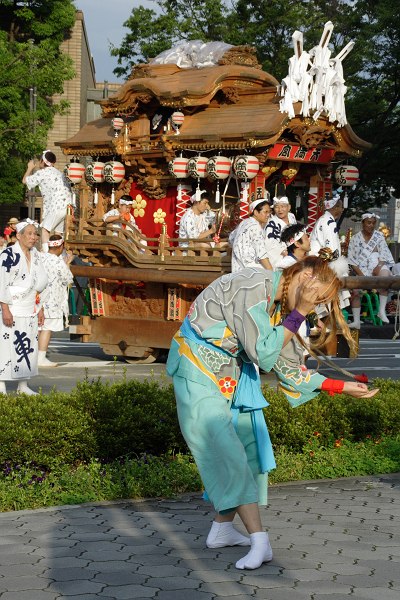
{"points": [[333, 386]]}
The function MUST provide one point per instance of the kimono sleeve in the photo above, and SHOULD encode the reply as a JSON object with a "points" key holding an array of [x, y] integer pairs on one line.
{"points": [[33, 180], [298, 383], [7, 260], [187, 227], [261, 341]]}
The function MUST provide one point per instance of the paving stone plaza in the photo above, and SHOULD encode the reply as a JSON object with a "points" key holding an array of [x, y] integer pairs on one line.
{"points": [[332, 539]]}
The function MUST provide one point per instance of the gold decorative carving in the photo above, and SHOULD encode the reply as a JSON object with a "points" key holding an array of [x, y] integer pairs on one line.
{"points": [[231, 95], [140, 71], [310, 134], [240, 55]]}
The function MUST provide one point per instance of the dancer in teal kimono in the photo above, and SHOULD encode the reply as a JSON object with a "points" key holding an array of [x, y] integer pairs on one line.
{"points": [[244, 319]]}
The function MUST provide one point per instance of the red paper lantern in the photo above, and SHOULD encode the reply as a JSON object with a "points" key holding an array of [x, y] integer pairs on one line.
{"points": [[74, 172], [197, 167], [94, 173], [218, 167], [177, 118], [114, 171], [246, 167], [179, 167], [347, 175]]}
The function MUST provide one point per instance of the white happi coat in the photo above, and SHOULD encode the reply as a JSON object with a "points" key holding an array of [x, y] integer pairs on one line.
{"points": [[192, 225], [366, 255], [54, 187], [18, 289], [325, 234], [250, 245], [55, 296], [275, 226]]}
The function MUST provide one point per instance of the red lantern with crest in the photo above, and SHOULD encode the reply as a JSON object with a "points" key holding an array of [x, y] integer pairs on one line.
{"points": [[179, 167], [218, 167], [74, 172], [197, 167], [347, 175], [246, 167], [94, 173]]}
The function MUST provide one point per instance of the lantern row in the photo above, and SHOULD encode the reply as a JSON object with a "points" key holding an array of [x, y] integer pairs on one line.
{"points": [[216, 168], [243, 167]]}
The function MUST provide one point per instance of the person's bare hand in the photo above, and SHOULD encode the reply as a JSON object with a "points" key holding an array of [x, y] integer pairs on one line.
{"points": [[359, 390], [212, 229], [8, 318], [41, 317], [31, 165], [308, 296]]}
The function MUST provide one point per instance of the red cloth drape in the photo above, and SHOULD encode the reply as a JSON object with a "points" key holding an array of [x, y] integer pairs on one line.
{"points": [[167, 205]]}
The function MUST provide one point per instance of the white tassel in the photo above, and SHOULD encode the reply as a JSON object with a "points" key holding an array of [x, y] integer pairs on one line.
{"points": [[345, 201], [245, 194], [95, 197], [198, 192], [179, 196], [217, 195], [298, 201], [73, 198], [112, 197]]}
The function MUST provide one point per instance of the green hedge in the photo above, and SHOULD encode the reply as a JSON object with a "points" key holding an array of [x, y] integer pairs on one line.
{"points": [[110, 420]]}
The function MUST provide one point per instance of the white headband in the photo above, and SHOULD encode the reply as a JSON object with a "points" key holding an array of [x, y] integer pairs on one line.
{"points": [[126, 202], [255, 203], [282, 200], [20, 226], [197, 197], [44, 159], [55, 243], [331, 203], [368, 215], [297, 236]]}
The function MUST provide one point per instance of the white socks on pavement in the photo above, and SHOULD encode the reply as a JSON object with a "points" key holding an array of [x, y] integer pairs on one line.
{"points": [[43, 361], [224, 534], [260, 552], [356, 324], [24, 389], [382, 308]]}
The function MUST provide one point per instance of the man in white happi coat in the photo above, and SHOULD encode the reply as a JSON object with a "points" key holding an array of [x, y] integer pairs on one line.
{"points": [[55, 296], [325, 234], [281, 218], [369, 255], [198, 222], [56, 193], [122, 218], [22, 278]]}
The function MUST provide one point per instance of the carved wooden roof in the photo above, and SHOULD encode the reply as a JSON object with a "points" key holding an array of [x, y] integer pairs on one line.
{"points": [[232, 106]]}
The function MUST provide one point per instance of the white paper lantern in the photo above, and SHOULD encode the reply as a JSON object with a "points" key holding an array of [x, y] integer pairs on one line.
{"points": [[197, 167], [246, 167], [218, 167], [74, 172], [179, 167], [114, 171], [117, 124], [94, 173], [347, 175], [177, 118]]}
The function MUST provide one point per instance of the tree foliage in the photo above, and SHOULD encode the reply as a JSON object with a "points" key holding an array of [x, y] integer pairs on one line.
{"points": [[372, 69], [30, 60]]}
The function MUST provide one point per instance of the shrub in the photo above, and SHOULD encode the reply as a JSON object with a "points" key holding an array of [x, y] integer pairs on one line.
{"points": [[132, 417], [45, 429]]}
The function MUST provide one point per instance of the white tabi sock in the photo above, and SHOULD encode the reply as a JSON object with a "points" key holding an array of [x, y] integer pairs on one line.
{"points": [[382, 309], [260, 552], [224, 534], [24, 389], [3, 389], [356, 324]]}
